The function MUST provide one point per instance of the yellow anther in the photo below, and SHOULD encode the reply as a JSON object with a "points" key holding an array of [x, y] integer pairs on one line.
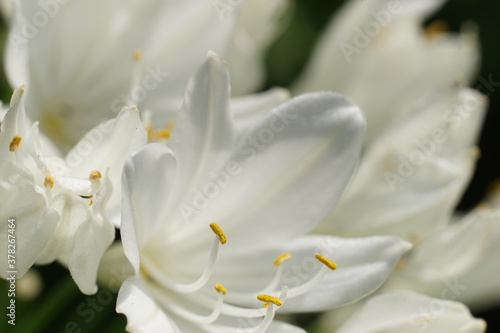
{"points": [[137, 55], [270, 299], [220, 288], [15, 142], [218, 231], [91, 202], [266, 305], [94, 174], [436, 28], [325, 261], [49, 181], [164, 133], [282, 257]]}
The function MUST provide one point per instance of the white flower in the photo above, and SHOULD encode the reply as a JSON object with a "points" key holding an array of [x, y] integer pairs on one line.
{"points": [[134, 53], [64, 208], [264, 190], [406, 311], [376, 53], [410, 180], [423, 126]]}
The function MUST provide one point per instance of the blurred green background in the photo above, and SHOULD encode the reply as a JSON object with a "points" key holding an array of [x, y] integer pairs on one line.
{"points": [[59, 303]]}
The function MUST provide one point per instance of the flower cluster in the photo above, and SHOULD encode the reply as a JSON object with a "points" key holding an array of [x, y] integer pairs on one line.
{"points": [[234, 205]]}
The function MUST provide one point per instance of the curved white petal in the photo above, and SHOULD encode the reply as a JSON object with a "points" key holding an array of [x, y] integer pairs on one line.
{"points": [[432, 154], [148, 179], [143, 314], [74, 212], [461, 270], [91, 239], [203, 136], [406, 311], [363, 264], [35, 220], [279, 180]]}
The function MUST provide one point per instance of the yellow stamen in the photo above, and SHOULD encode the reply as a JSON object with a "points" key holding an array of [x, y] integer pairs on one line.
{"points": [[325, 261], [94, 174], [220, 289], [164, 133], [218, 231], [282, 257], [49, 181], [91, 202], [15, 142], [436, 28], [266, 305], [137, 55], [270, 299]]}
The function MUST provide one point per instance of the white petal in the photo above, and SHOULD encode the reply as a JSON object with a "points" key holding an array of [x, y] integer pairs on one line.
{"points": [[431, 154], [452, 251], [35, 220], [148, 179], [143, 314], [90, 241], [287, 173], [105, 149], [407, 311], [363, 264], [13, 123], [203, 136], [74, 212], [462, 270]]}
